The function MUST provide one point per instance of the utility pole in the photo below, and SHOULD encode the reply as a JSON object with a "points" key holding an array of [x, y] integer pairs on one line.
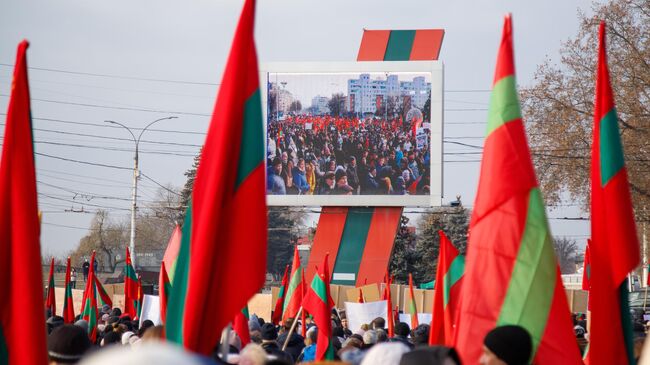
{"points": [[136, 175]]}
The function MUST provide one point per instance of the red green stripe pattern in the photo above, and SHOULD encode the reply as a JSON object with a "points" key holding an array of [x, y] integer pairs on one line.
{"points": [[400, 45], [130, 287], [138, 302], [511, 274], [229, 193], [102, 296], [50, 301], [22, 337], [449, 275], [413, 309], [240, 326], [319, 303], [293, 298], [279, 304], [164, 288], [614, 248], [89, 310], [68, 306]]}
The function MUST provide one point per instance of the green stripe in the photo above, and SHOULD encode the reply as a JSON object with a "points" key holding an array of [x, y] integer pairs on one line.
{"points": [[251, 150], [296, 278], [176, 302], [4, 351], [400, 43], [412, 307], [353, 242], [130, 273], [611, 149], [626, 323], [532, 283], [318, 286], [455, 273], [245, 312], [329, 354], [504, 104]]}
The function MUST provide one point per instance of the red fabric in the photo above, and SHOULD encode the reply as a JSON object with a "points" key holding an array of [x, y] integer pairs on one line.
{"points": [[360, 298], [442, 322], [240, 326], [389, 307], [279, 304], [321, 311], [224, 273], [140, 297], [130, 289], [90, 292], [163, 282], [68, 306], [614, 246], [414, 316], [21, 278], [296, 298], [50, 301], [173, 246], [586, 268], [304, 312]]}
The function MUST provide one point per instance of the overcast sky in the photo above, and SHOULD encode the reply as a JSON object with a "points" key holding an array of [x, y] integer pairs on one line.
{"points": [[165, 58]]}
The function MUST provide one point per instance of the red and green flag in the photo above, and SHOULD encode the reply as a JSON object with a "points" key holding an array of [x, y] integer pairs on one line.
{"points": [[140, 297], [22, 336], [511, 276], [240, 326], [102, 296], [211, 282], [586, 268], [614, 243], [294, 296], [448, 284], [303, 290], [164, 288], [171, 252], [50, 301], [130, 287], [319, 304], [279, 304], [413, 308], [68, 306], [89, 308]]}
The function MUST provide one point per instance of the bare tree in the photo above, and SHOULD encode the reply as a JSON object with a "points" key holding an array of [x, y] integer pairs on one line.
{"points": [[566, 251]]}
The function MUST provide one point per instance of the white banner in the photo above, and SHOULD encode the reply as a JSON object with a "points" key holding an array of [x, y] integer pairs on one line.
{"points": [[150, 309], [423, 318], [364, 313]]}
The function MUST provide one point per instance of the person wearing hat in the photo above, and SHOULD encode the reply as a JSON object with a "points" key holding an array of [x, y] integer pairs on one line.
{"points": [[296, 342], [327, 186], [270, 345], [342, 187], [435, 355], [67, 344], [507, 345]]}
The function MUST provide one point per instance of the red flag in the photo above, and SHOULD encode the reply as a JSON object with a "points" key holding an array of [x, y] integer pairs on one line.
{"points": [[279, 304], [512, 276], [586, 268], [104, 298], [293, 298], [389, 307], [164, 288], [22, 335], [449, 279], [89, 311], [240, 326], [140, 298], [360, 297], [50, 302], [171, 252], [319, 303], [413, 309], [130, 287], [303, 290], [614, 248], [68, 306], [229, 194]]}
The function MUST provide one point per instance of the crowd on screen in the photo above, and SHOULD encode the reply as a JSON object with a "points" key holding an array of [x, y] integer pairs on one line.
{"points": [[324, 155]]}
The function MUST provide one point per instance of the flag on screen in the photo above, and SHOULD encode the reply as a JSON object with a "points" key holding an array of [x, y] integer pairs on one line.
{"points": [[511, 276]]}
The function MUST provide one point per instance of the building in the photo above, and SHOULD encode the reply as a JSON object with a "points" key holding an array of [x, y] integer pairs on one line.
{"points": [[285, 97], [319, 105], [366, 95]]}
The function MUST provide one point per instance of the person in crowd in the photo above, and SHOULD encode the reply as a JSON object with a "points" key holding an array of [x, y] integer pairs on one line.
{"points": [[369, 339], [96, 265], [342, 187], [382, 335], [309, 351], [327, 187], [274, 182], [353, 177], [310, 175], [400, 187], [378, 323], [507, 345], [287, 177], [436, 355], [86, 268], [67, 344], [420, 335], [270, 345], [73, 278], [296, 342], [402, 331], [300, 178], [385, 354]]}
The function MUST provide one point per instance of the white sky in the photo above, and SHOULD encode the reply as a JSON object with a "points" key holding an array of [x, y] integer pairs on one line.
{"points": [[189, 41]]}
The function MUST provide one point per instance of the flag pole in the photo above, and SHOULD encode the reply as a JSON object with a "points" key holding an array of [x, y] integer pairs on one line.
{"points": [[225, 342], [645, 297], [293, 327]]}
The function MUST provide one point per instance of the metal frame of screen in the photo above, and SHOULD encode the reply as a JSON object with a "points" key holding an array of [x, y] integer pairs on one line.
{"points": [[435, 68]]}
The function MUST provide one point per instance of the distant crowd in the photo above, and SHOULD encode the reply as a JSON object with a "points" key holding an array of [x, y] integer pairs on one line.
{"points": [[326, 155]]}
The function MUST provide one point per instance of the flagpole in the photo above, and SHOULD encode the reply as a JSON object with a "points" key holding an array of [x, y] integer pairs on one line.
{"points": [[293, 327], [645, 297]]}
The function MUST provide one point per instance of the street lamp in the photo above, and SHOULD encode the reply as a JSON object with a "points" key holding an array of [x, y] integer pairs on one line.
{"points": [[136, 174]]}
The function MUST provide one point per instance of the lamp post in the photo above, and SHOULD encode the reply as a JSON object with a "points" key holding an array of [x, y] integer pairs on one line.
{"points": [[136, 174]]}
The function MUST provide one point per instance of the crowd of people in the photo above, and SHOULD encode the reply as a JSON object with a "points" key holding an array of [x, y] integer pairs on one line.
{"points": [[281, 345], [324, 155]]}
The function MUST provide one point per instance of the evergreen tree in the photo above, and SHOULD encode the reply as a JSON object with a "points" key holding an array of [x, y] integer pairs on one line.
{"points": [[186, 193], [283, 232], [402, 259]]}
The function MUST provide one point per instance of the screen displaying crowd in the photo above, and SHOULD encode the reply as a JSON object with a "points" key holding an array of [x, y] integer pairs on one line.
{"points": [[330, 155]]}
